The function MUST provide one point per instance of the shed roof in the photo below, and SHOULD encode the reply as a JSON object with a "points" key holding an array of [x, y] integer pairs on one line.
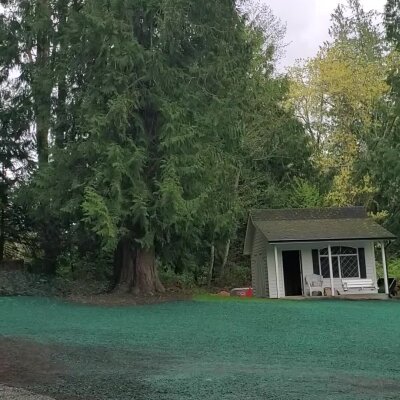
{"points": [[317, 224]]}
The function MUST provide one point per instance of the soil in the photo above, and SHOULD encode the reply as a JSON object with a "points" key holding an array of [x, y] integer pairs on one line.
{"points": [[11, 393], [129, 299], [31, 370], [24, 363]]}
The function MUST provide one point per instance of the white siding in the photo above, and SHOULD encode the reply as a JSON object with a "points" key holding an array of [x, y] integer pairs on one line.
{"points": [[259, 266], [307, 264], [272, 272]]}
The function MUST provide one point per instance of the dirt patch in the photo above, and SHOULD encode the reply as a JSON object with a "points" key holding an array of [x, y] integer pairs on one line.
{"points": [[24, 363], [11, 393], [68, 372], [127, 299]]}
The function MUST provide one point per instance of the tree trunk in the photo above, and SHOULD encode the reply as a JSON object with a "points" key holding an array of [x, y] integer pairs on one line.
{"points": [[212, 261], [42, 131], [124, 266], [50, 244], [42, 86], [228, 242], [61, 124], [42, 83], [226, 255], [3, 205], [146, 280], [135, 270], [61, 74], [2, 230]]}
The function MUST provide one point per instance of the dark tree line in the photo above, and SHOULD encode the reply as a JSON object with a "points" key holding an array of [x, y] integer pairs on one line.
{"points": [[136, 124], [135, 135]]}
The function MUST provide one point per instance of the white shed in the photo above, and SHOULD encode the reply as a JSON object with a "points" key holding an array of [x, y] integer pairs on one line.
{"points": [[294, 251]]}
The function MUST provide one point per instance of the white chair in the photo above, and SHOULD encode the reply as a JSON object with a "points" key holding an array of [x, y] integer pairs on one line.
{"points": [[315, 283]]}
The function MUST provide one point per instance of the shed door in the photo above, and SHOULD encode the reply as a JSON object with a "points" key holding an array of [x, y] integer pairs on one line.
{"points": [[292, 272]]}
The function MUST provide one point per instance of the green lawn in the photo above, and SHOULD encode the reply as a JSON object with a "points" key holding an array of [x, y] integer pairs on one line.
{"points": [[205, 349]]}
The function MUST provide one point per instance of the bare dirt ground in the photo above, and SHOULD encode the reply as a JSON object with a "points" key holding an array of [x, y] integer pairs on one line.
{"points": [[23, 365], [127, 299], [10, 393], [30, 370]]}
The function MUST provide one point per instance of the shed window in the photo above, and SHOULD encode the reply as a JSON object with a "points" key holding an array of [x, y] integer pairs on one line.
{"points": [[345, 262]]}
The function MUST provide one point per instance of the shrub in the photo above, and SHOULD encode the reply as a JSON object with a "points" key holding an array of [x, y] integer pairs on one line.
{"points": [[73, 266], [170, 279], [22, 283], [393, 268], [235, 276]]}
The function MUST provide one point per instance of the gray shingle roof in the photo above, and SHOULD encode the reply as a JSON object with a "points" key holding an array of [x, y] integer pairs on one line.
{"points": [[317, 224]]}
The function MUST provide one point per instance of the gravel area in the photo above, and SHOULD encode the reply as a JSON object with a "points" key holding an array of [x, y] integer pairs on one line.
{"points": [[11, 393]]}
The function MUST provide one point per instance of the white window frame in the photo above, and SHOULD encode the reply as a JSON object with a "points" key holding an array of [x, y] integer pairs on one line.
{"points": [[338, 256]]}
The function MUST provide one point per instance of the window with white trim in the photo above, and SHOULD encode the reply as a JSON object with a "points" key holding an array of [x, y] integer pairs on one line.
{"points": [[345, 262]]}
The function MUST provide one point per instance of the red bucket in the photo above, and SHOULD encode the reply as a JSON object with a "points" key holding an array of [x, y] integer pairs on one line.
{"points": [[242, 292]]}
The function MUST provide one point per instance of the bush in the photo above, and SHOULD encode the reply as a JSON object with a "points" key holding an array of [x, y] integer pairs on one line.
{"points": [[170, 279], [393, 266], [23, 283], [235, 276], [72, 266]]}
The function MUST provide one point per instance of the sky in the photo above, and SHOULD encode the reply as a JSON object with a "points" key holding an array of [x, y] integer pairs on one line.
{"points": [[308, 23]]}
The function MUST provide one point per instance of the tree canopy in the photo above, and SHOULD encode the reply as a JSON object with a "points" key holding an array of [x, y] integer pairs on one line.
{"points": [[136, 135]]}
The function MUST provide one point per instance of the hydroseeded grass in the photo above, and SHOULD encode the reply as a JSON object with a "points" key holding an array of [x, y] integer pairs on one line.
{"points": [[212, 349]]}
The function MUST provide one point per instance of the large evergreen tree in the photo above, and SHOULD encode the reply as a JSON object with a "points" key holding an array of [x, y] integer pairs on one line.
{"points": [[156, 124], [156, 108]]}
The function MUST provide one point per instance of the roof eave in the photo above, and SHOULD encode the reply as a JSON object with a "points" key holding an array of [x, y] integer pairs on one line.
{"points": [[248, 241], [282, 241]]}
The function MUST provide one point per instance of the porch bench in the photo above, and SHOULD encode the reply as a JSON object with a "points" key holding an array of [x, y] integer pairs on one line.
{"points": [[360, 284]]}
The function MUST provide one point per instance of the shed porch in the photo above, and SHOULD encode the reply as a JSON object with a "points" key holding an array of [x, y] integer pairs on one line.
{"points": [[289, 265]]}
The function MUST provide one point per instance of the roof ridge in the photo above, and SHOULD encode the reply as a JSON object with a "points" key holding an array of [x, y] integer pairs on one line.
{"points": [[308, 208], [308, 213]]}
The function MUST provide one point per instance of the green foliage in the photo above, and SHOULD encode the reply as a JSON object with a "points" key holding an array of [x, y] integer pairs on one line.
{"points": [[73, 266], [19, 283], [172, 280], [15, 161], [235, 275], [96, 214], [392, 21], [347, 98], [304, 194], [394, 268], [381, 159]]}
